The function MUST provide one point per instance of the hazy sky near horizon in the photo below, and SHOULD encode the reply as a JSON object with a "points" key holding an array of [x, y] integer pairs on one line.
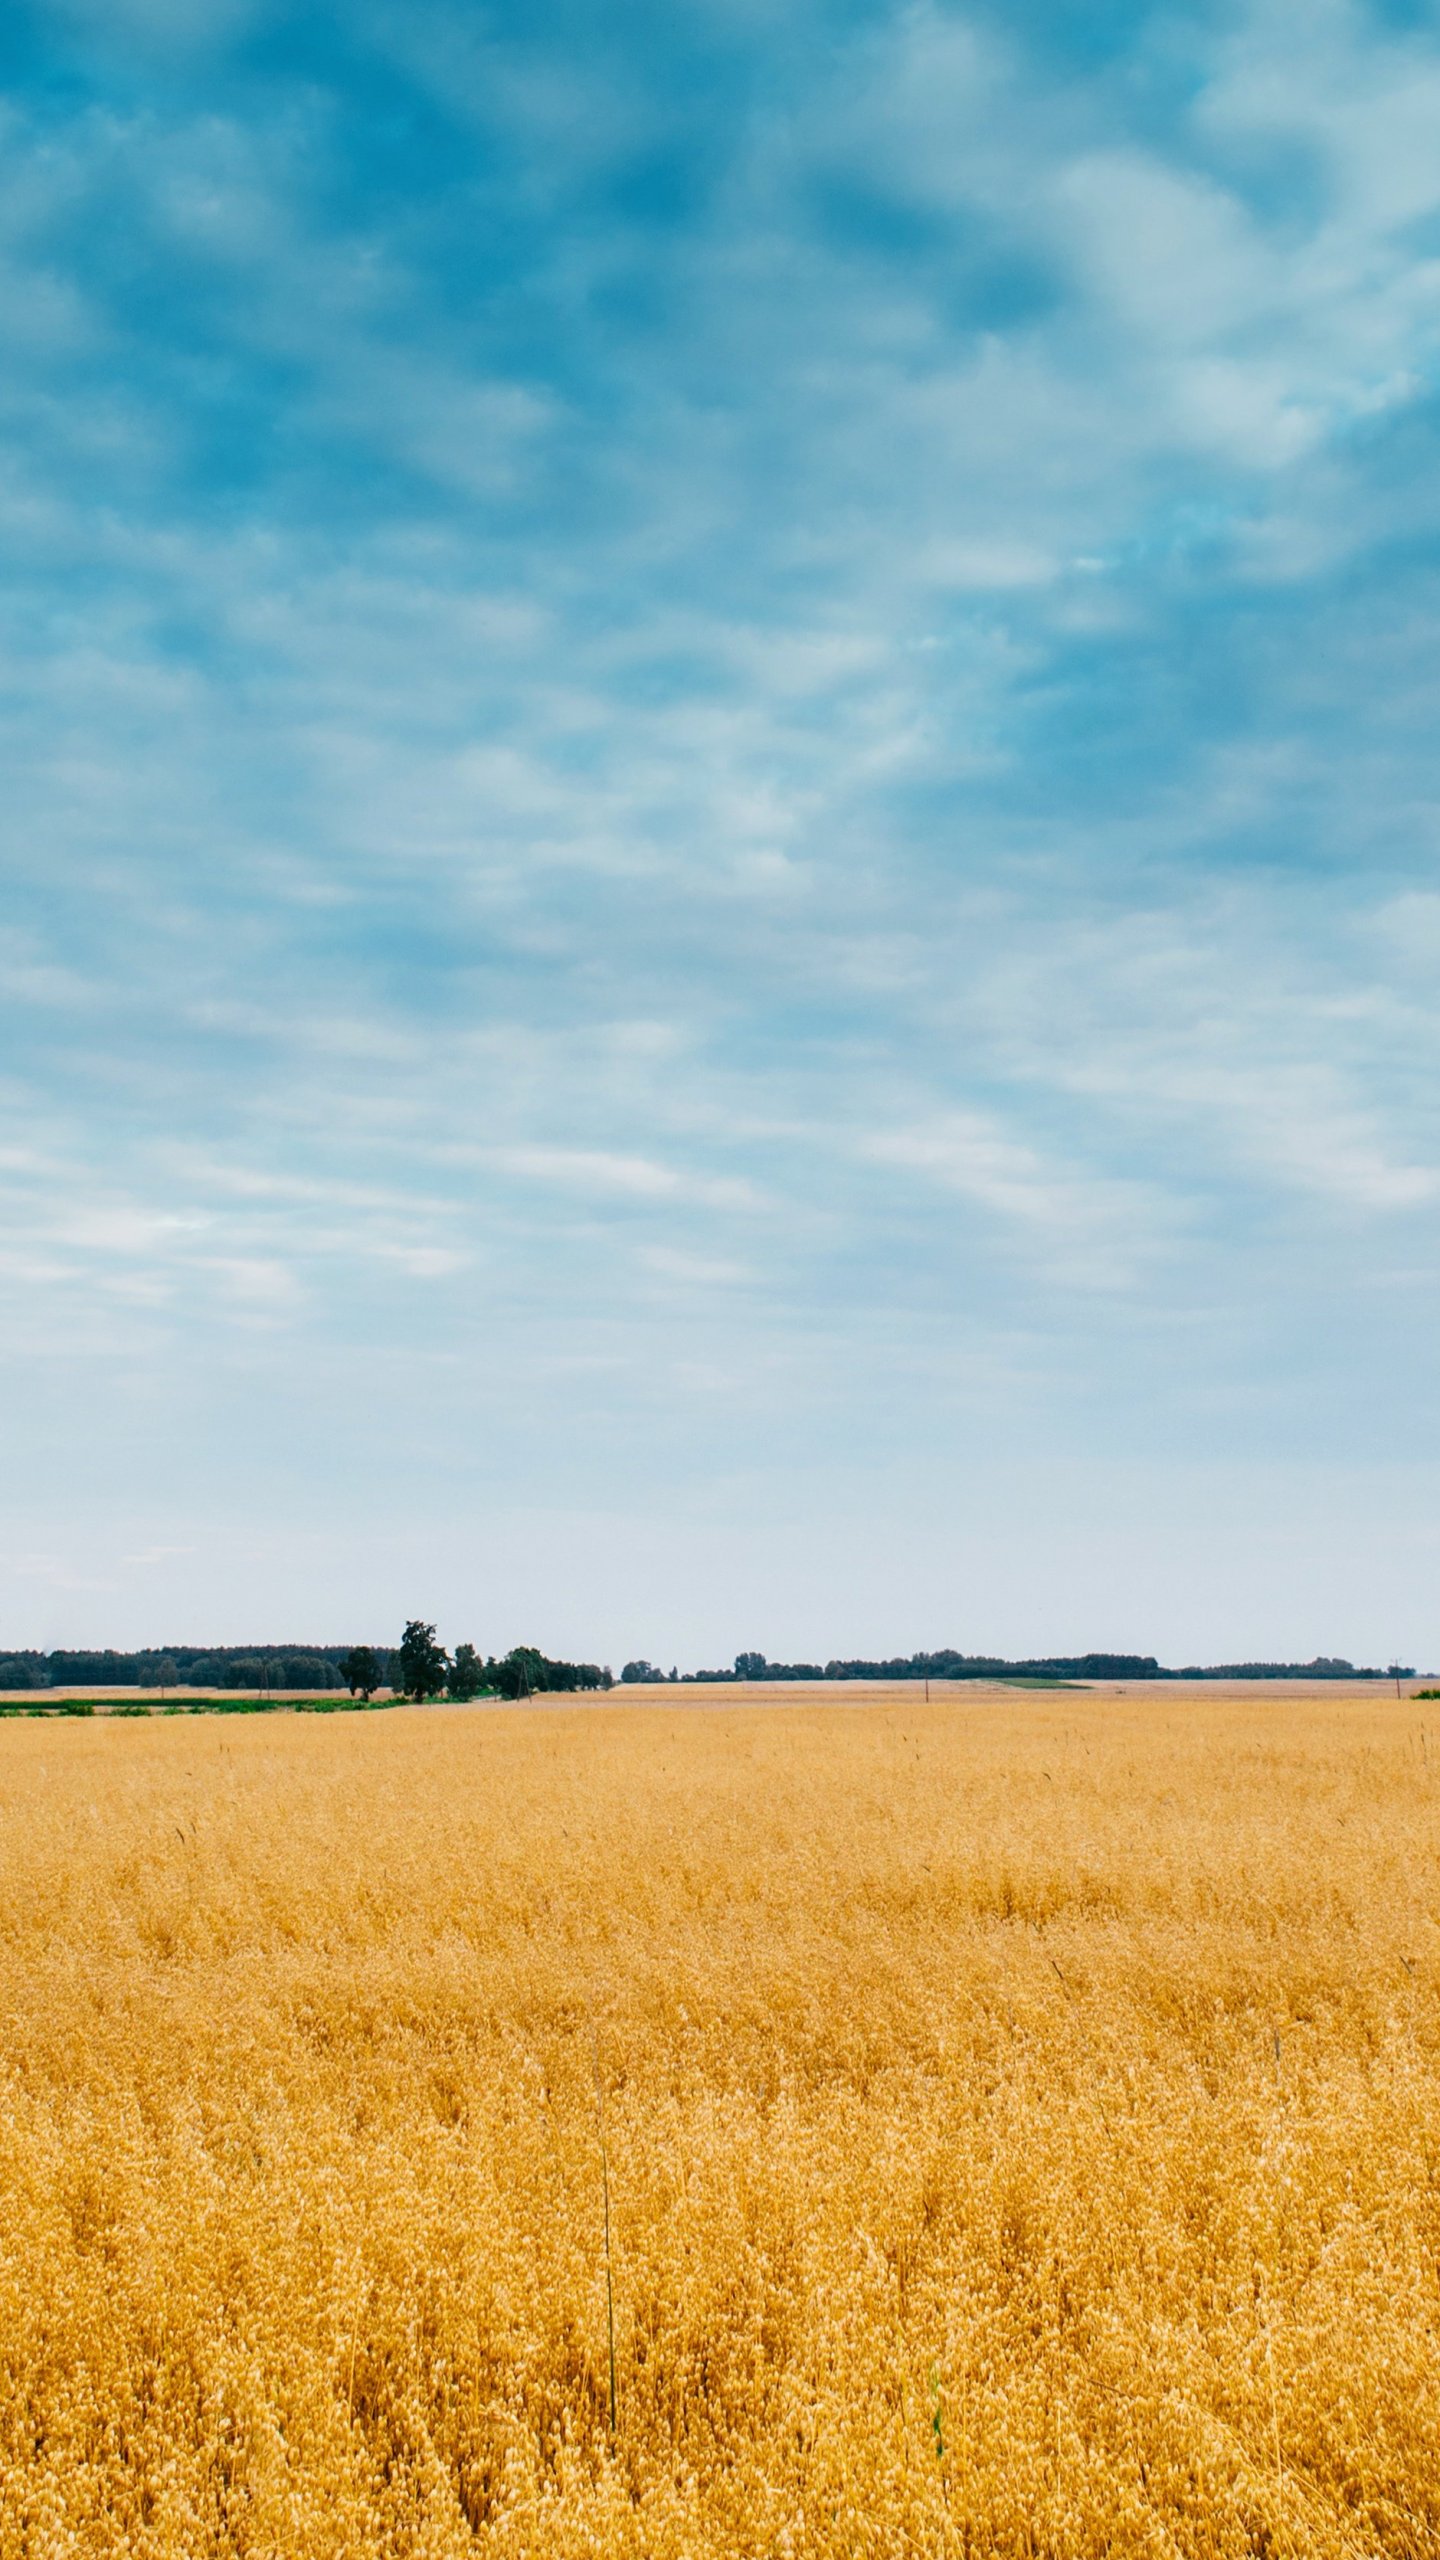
{"points": [[721, 921]]}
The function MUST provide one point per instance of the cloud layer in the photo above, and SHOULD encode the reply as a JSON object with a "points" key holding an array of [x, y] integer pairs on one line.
{"points": [[721, 799]]}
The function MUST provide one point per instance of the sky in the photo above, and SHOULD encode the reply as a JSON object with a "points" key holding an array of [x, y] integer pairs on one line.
{"points": [[720, 916]]}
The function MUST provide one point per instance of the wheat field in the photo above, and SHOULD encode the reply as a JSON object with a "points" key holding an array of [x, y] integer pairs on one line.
{"points": [[1018, 2118]]}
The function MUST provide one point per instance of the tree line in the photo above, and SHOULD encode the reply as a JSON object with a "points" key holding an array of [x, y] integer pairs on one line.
{"points": [[948, 1665], [265, 1666], [420, 1668]]}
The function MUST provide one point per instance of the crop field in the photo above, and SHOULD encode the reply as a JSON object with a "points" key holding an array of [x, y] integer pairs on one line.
{"points": [[1003, 2126]]}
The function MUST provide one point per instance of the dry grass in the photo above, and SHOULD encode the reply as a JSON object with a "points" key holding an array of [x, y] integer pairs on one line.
{"points": [[1021, 2121]]}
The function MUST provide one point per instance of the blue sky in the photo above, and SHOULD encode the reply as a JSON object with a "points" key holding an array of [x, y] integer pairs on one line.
{"points": [[721, 922]]}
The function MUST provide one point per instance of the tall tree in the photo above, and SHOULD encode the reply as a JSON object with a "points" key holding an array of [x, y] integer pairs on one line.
{"points": [[423, 1662], [360, 1671], [467, 1673]]}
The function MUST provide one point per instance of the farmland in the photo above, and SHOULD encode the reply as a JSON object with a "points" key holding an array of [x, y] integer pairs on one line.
{"points": [[1019, 2118]]}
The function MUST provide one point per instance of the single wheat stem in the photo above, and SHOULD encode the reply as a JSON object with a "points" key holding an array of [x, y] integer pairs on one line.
{"points": [[605, 2191], [1274, 2397]]}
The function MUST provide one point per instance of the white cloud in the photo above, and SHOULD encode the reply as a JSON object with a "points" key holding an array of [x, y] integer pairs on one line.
{"points": [[256, 1281], [693, 1270], [28, 976], [1296, 1124], [1170, 252], [595, 1170], [1080, 1227]]}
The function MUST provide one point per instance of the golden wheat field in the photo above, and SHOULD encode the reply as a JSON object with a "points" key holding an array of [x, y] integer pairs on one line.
{"points": [[1021, 2121]]}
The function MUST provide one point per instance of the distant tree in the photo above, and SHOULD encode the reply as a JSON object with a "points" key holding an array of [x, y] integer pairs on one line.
{"points": [[639, 1672], [749, 1666], [109, 1670], [159, 1675], [423, 1662], [308, 1671], [527, 1667], [467, 1673], [360, 1671]]}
